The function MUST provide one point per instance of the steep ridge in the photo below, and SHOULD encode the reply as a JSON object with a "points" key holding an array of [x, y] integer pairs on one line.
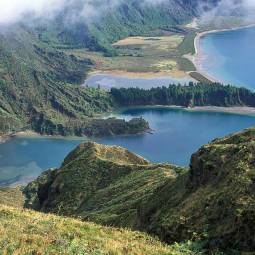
{"points": [[98, 181], [213, 203], [218, 197]]}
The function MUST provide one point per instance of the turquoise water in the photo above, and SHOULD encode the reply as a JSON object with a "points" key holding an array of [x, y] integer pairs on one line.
{"points": [[178, 134], [230, 56]]}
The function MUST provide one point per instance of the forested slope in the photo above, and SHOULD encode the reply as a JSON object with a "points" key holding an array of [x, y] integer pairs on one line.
{"points": [[201, 94], [38, 81], [120, 20]]}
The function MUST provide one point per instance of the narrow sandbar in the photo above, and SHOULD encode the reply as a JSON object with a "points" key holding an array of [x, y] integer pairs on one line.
{"points": [[245, 110], [198, 58]]}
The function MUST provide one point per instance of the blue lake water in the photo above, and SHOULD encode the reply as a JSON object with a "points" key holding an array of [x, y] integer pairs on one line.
{"points": [[108, 81], [230, 56], [178, 134]]}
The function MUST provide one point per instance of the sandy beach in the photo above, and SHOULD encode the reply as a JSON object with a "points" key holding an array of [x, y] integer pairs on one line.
{"points": [[244, 110], [27, 133], [234, 110], [198, 58], [175, 74], [4, 138]]}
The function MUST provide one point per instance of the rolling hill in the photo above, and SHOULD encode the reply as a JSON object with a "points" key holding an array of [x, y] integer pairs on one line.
{"points": [[212, 202]]}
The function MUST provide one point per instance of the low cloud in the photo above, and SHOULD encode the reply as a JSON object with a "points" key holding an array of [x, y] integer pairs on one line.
{"points": [[26, 10], [17, 10], [241, 8]]}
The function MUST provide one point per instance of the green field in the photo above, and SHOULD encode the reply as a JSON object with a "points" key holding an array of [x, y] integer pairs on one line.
{"points": [[145, 56]]}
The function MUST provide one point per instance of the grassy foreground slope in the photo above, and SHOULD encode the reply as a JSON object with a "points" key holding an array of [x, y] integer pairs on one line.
{"points": [[29, 232], [213, 202]]}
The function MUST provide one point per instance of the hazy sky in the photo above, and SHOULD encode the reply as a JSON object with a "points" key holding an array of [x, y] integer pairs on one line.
{"points": [[16, 10]]}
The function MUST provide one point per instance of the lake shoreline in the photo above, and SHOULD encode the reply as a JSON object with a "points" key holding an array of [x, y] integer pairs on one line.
{"points": [[240, 110], [199, 55], [176, 74], [32, 134], [179, 131]]}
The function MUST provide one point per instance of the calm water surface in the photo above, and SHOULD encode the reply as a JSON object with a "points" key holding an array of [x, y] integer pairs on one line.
{"points": [[178, 133], [108, 81], [230, 56]]}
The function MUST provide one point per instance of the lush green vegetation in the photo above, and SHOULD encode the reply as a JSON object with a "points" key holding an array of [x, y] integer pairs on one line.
{"points": [[127, 19], [29, 232], [40, 90], [211, 204], [91, 127], [200, 94], [38, 82]]}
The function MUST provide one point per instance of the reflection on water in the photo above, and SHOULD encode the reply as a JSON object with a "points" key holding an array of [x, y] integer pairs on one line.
{"points": [[108, 81]]}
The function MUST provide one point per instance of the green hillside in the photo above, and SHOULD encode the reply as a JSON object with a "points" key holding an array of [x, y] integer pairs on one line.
{"points": [[40, 90], [38, 82], [100, 174], [128, 18], [212, 203], [28, 232]]}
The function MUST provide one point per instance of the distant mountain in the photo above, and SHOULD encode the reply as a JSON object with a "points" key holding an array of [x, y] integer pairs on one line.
{"points": [[128, 18], [212, 203]]}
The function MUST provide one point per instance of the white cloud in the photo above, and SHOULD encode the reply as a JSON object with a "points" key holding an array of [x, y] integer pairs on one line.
{"points": [[16, 10], [245, 8], [12, 11]]}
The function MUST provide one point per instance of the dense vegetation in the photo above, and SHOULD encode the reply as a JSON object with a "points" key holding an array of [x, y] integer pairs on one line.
{"points": [[200, 94], [36, 81], [212, 203], [92, 127], [40, 84], [40, 90], [128, 18]]}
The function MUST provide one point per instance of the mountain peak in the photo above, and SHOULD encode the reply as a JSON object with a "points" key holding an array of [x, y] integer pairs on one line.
{"points": [[115, 154]]}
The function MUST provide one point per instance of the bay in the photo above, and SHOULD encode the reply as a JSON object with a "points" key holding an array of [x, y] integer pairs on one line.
{"points": [[177, 134], [229, 56]]}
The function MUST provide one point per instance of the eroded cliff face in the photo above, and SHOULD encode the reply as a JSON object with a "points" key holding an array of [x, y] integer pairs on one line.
{"points": [[213, 202]]}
